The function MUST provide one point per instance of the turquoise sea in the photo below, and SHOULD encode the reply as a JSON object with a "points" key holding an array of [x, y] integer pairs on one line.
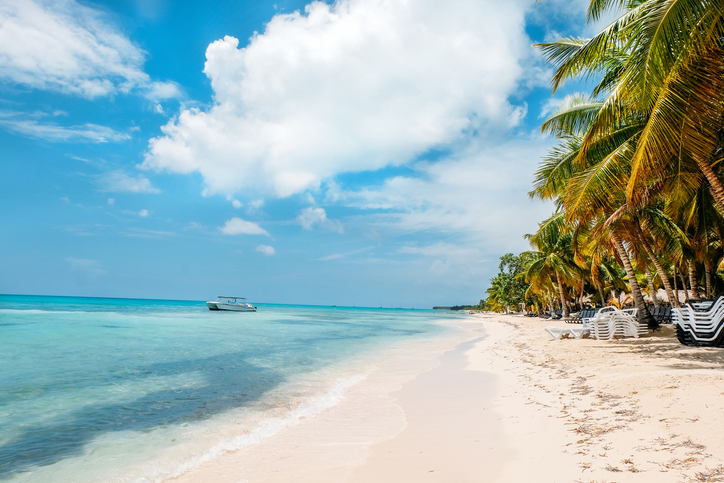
{"points": [[102, 389]]}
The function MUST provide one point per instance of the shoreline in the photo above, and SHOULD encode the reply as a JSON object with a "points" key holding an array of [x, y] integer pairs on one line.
{"points": [[510, 405], [327, 446]]}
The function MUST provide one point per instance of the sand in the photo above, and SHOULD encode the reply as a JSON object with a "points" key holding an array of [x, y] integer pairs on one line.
{"points": [[503, 402]]}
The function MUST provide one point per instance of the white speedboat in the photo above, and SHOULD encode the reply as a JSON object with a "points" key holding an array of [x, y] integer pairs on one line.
{"points": [[235, 304]]}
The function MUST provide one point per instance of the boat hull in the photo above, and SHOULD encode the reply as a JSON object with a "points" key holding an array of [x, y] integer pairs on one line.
{"points": [[230, 307]]}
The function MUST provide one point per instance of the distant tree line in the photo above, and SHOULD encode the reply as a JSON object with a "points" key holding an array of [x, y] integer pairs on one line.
{"points": [[459, 307]]}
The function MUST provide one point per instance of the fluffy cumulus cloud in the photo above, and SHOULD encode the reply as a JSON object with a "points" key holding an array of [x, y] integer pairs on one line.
{"points": [[120, 182], [68, 47], [266, 250], [237, 226], [354, 86], [317, 216]]}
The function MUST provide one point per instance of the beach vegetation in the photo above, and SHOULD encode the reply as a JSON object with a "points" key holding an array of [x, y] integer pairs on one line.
{"points": [[508, 288], [636, 174]]}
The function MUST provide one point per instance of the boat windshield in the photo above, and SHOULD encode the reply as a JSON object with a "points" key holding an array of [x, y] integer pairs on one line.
{"points": [[231, 300]]}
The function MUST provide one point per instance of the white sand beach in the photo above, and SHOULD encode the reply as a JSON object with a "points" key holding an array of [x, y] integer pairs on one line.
{"points": [[503, 402]]}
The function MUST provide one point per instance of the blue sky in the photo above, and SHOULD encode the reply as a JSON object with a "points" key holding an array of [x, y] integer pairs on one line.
{"points": [[370, 153]]}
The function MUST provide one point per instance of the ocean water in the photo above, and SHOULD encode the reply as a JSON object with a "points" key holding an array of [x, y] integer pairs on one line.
{"points": [[123, 390]]}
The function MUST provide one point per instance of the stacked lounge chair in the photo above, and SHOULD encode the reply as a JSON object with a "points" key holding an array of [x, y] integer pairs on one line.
{"points": [[610, 322], [700, 322], [607, 323], [582, 316], [661, 314]]}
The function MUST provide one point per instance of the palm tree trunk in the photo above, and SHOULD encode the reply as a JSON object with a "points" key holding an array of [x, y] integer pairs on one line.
{"points": [[707, 271], [674, 301], [692, 280], [715, 186], [683, 286], [601, 294], [652, 290], [568, 300], [676, 288], [644, 315], [564, 305]]}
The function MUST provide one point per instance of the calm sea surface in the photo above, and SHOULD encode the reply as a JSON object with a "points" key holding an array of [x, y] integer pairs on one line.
{"points": [[95, 389]]}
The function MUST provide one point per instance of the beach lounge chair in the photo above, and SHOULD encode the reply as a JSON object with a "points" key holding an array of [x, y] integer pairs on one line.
{"points": [[586, 318], [666, 316], [574, 318], [581, 316], [700, 322], [661, 314], [559, 333], [610, 322], [579, 332]]}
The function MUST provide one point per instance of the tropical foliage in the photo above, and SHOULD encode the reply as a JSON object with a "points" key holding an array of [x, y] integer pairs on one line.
{"points": [[636, 175], [508, 288]]}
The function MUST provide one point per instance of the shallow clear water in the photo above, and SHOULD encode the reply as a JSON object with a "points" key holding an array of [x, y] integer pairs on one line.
{"points": [[140, 390]]}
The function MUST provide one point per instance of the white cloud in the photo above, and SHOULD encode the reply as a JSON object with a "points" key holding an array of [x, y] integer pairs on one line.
{"points": [[447, 256], [193, 225], [338, 256], [353, 86], [111, 201], [479, 197], [237, 226], [68, 47], [234, 202], [119, 182], [160, 91], [28, 125], [312, 216], [266, 250], [549, 107], [444, 250], [151, 234], [143, 213], [554, 15]]}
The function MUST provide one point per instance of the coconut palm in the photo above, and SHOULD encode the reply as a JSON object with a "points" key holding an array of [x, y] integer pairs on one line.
{"points": [[552, 260], [591, 188], [662, 61]]}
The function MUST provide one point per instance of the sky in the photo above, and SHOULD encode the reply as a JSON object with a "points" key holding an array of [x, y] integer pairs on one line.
{"points": [[359, 152]]}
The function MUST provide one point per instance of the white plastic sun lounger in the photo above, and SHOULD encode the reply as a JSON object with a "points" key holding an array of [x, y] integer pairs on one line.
{"points": [[611, 322], [579, 332], [703, 321], [559, 333]]}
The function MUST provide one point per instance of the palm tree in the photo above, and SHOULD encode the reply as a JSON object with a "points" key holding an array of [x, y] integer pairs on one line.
{"points": [[552, 259], [591, 188], [662, 62]]}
